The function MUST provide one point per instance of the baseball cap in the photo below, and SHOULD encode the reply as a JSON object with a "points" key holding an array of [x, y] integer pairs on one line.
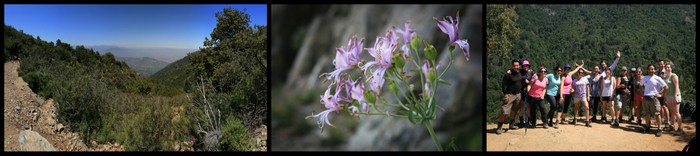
{"points": [[624, 67], [567, 66], [525, 62]]}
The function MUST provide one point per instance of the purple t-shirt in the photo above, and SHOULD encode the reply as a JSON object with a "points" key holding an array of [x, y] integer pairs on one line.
{"points": [[580, 87]]}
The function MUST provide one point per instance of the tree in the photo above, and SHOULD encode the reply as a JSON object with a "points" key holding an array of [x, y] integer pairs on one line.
{"points": [[501, 30]]}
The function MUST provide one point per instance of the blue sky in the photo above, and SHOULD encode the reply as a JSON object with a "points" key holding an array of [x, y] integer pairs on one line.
{"points": [[168, 26]]}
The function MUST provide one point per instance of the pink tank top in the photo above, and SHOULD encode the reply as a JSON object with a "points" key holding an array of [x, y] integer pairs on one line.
{"points": [[567, 86], [538, 87]]}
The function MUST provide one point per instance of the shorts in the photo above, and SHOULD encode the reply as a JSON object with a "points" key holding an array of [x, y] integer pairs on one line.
{"points": [[618, 101], [651, 106], [513, 99], [638, 97], [676, 99], [606, 98], [662, 100], [579, 100]]}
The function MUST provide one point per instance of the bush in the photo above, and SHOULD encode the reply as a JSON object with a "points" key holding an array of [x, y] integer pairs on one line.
{"points": [[37, 81], [80, 105], [234, 136], [687, 108]]}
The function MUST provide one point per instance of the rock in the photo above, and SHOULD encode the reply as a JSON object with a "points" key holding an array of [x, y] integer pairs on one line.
{"points": [[33, 141], [51, 122], [17, 108], [59, 127]]}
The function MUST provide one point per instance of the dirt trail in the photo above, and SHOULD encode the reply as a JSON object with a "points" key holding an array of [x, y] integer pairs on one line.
{"points": [[24, 110], [599, 137]]}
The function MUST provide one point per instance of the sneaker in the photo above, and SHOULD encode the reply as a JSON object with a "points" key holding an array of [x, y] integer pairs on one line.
{"points": [[646, 129], [680, 131], [499, 131], [550, 124], [593, 119], [604, 120], [562, 122], [556, 125], [512, 127], [658, 133], [588, 123], [545, 126], [573, 122], [668, 128]]}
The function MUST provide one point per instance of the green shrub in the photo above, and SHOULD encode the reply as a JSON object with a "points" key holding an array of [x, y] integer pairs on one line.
{"points": [[234, 136], [687, 108], [36, 80]]}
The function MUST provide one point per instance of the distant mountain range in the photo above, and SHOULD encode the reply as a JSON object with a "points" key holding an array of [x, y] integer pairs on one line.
{"points": [[168, 55], [145, 66]]}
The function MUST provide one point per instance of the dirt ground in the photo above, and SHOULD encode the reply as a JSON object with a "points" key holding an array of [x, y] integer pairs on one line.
{"points": [[24, 110], [599, 137]]}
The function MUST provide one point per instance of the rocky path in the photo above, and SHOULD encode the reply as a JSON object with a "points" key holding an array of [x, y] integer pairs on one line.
{"points": [[24, 110]]}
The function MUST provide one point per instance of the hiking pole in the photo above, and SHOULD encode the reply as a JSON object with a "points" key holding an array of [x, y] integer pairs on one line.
{"points": [[525, 113]]}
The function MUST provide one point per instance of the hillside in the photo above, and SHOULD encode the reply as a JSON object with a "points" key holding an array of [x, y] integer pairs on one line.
{"points": [[145, 66], [174, 74], [553, 35], [104, 101]]}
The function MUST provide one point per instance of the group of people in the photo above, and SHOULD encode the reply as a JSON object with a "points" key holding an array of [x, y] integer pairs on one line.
{"points": [[656, 94]]}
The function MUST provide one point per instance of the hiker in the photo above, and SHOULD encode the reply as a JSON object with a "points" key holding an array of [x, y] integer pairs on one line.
{"points": [[536, 97], [512, 85], [606, 94], [654, 87], [553, 95], [622, 94], [581, 96], [673, 98]]}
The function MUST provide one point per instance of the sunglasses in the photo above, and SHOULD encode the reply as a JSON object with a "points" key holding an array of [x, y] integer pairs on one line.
{"points": [[558, 70]]}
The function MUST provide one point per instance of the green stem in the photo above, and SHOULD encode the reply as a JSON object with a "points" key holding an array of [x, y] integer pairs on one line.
{"points": [[385, 114], [396, 97], [429, 126], [413, 96], [446, 68]]}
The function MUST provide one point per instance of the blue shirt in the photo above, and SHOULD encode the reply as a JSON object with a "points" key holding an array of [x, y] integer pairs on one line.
{"points": [[553, 86]]}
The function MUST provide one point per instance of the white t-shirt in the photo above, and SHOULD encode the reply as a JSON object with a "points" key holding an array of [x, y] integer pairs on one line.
{"points": [[607, 87], [652, 85]]}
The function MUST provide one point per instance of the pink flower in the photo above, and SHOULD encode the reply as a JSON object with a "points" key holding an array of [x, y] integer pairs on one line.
{"points": [[407, 36], [425, 69], [382, 53], [464, 45], [332, 104], [357, 92], [347, 58], [449, 27]]}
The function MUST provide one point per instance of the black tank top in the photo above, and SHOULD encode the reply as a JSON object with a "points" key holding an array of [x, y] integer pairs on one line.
{"points": [[625, 81]]}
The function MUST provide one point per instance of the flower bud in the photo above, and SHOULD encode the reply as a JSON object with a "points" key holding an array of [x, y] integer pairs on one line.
{"points": [[415, 42], [393, 87], [430, 52]]}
